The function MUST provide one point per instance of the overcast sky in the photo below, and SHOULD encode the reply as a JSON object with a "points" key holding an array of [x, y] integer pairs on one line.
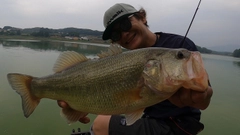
{"points": [[217, 22]]}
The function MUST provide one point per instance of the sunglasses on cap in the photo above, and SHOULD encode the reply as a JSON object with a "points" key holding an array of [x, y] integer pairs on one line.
{"points": [[123, 26]]}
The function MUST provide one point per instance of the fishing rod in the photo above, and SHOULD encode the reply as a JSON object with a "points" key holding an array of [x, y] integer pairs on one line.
{"points": [[191, 22]]}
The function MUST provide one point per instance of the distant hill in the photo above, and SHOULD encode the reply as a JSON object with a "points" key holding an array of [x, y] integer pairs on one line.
{"points": [[82, 32], [8, 30], [30, 30], [209, 51], [225, 48], [96, 35]]}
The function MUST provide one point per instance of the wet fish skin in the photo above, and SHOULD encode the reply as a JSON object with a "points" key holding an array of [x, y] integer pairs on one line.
{"points": [[117, 83]]}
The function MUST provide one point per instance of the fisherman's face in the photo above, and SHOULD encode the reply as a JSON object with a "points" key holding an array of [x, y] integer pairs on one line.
{"points": [[130, 37]]}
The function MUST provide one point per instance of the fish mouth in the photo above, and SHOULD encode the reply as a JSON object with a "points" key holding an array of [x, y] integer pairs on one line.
{"points": [[198, 78], [195, 65], [131, 39], [194, 77]]}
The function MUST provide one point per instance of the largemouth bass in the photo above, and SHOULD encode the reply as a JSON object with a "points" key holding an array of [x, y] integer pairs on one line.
{"points": [[115, 83]]}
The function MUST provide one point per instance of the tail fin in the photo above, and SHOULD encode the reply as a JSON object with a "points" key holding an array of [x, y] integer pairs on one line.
{"points": [[21, 83]]}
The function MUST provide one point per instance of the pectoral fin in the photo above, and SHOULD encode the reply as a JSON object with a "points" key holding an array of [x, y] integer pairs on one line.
{"points": [[134, 116]]}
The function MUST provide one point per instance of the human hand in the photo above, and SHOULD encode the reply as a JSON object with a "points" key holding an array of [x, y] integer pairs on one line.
{"points": [[63, 104], [186, 97]]}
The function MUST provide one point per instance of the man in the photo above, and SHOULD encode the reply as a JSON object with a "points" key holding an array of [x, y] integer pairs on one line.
{"points": [[180, 114]]}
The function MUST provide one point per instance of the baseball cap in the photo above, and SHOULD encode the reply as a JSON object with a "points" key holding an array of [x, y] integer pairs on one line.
{"points": [[113, 15]]}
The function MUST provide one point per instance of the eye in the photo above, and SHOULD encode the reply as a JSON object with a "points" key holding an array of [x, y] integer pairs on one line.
{"points": [[116, 36], [125, 25], [180, 55]]}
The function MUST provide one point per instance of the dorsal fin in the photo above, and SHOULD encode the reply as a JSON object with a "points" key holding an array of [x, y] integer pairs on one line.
{"points": [[114, 49], [68, 59]]}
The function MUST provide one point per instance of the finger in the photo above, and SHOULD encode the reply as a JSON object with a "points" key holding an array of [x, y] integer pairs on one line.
{"points": [[198, 96], [84, 120], [62, 104], [175, 99], [185, 97], [202, 100]]}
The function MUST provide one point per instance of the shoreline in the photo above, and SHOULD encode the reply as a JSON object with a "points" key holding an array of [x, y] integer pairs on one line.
{"points": [[32, 38]]}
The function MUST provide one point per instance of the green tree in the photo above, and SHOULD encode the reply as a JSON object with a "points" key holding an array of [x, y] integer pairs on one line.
{"points": [[236, 53], [18, 32], [204, 50], [43, 32]]}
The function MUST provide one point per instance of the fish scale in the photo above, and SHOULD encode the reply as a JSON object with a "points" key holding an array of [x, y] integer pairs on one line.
{"points": [[115, 83]]}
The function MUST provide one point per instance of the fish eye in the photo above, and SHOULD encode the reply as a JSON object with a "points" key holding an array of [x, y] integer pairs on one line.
{"points": [[180, 55]]}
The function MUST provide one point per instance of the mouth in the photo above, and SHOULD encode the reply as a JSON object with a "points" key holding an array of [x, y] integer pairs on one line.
{"points": [[130, 39]]}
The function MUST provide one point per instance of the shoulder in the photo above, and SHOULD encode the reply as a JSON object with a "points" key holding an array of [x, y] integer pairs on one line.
{"points": [[170, 40], [169, 36]]}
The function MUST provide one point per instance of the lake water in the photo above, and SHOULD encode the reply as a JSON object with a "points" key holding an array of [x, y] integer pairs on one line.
{"points": [[37, 59]]}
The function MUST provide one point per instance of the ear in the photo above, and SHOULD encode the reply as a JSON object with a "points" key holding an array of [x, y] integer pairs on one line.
{"points": [[143, 17], [144, 20]]}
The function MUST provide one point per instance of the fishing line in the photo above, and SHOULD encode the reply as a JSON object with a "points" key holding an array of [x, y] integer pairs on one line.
{"points": [[191, 22]]}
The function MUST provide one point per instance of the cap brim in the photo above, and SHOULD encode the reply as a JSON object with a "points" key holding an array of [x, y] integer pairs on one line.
{"points": [[107, 33]]}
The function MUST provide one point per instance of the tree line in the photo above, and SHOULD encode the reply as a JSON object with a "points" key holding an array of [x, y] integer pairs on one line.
{"points": [[46, 32], [236, 53], [77, 32], [204, 50]]}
